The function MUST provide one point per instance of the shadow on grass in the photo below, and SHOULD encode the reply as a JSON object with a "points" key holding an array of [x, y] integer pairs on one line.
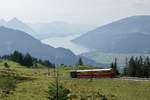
{"points": [[9, 73]]}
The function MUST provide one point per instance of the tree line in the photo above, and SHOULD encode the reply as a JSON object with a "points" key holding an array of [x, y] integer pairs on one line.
{"points": [[26, 59], [138, 67], [114, 67]]}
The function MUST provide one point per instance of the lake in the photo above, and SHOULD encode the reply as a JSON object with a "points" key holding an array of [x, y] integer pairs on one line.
{"points": [[65, 42]]}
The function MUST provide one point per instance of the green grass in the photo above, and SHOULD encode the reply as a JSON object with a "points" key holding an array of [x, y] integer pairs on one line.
{"points": [[33, 84], [122, 90]]}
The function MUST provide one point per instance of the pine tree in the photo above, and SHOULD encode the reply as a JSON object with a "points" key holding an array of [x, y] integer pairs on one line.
{"points": [[148, 63], [132, 67], [56, 91], [139, 67], [80, 62], [125, 71], [28, 60], [114, 67], [146, 67], [17, 57]]}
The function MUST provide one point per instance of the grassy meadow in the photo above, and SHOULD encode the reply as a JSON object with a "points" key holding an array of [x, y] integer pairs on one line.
{"points": [[32, 84]]}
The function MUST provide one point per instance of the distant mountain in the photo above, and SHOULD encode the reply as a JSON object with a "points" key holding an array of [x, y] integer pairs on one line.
{"points": [[11, 40], [129, 35], [17, 24], [46, 30], [57, 29], [2, 22]]}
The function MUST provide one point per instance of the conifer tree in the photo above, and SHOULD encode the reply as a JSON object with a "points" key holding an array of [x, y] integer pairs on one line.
{"points": [[132, 67], [114, 67], [56, 91], [28, 60], [80, 62]]}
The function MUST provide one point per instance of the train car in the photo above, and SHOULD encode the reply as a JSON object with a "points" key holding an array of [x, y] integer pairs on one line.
{"points": [[92, 73]]}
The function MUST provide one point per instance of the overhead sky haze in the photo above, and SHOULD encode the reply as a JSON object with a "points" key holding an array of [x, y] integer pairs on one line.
{"points": [[94, 12]]}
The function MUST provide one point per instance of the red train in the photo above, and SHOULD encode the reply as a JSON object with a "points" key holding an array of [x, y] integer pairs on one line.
{"points": [[92, 73]]}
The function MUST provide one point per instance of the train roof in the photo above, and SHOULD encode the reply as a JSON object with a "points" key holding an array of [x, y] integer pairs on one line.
{"points": [[94, 70]]}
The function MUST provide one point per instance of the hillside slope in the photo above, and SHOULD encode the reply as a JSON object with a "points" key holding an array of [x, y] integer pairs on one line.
{"points": [[121, 36], [11, 40], [33, 83]]}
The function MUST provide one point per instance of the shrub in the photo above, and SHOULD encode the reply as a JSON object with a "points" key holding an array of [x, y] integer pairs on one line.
{"points": [[58, 92], [7, 85], [6, 65]]}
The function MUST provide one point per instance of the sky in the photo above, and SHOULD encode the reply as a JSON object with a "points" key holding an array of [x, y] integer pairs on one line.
{"points": [[94, 12]]}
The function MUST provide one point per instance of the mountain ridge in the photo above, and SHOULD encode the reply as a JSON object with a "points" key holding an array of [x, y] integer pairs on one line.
{"points": [[18, 25], [59, 29], [106, 36], [11, 40]]}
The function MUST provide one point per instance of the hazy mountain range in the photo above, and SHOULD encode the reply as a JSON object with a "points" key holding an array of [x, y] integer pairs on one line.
{"points": [[59, 29], [46, 30], [11, 40], [128, 35], [17, 24]]}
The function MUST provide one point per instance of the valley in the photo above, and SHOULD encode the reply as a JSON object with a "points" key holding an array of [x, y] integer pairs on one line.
{"points": [[66, 42]]}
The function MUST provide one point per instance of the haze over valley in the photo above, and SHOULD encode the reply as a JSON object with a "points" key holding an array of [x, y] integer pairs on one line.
{"points": [[118, 37]]}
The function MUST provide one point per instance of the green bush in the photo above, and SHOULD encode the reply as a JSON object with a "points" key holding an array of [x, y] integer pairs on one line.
{"points": [[6, 65], [7, 84], [58, 92]]}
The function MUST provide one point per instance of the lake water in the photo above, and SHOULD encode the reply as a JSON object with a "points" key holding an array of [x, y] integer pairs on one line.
{"points": [[65, 42]]}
